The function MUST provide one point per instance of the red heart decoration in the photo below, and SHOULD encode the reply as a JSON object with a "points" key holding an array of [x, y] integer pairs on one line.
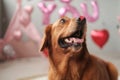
{"points": [[100, 37]]}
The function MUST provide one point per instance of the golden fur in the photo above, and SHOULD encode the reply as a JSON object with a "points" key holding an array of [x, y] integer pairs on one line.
{"points": [[73, 63]]}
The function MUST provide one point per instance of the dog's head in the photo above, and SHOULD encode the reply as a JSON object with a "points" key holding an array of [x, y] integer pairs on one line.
{"points": [[66, 34]]}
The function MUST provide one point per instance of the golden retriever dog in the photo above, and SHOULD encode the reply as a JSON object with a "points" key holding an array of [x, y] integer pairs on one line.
{"points": [[68, 55]]}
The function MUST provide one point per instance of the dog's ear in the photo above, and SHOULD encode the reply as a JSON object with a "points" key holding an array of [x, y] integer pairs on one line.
{"points": [[46, 38]]}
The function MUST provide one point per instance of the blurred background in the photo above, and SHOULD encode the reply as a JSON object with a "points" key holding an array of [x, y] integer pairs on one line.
{"points": [[22, 23]]}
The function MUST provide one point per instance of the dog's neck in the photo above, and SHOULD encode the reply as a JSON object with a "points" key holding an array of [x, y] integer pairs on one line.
{"points": [[65, 66]]}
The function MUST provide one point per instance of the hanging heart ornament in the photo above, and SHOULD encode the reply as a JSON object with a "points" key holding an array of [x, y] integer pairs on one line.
{"points": [[100, 37]]}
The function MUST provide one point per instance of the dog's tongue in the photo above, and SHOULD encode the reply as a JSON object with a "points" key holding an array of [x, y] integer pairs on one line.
{"points": [[74, 40]]}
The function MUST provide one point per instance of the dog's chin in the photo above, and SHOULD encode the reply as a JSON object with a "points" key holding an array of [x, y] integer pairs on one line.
{"points": [[73, 41]]}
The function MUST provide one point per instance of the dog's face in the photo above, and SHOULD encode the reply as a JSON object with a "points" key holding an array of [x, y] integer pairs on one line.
{"points": [[66, 34]]}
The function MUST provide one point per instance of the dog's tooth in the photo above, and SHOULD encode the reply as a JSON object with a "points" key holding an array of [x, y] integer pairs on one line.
{"points": [[67, 40]]}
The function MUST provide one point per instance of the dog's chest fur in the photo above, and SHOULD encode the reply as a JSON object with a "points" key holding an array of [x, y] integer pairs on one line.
{"points": [[73, 70]]}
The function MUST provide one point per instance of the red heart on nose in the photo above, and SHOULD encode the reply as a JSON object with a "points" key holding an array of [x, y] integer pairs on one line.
{"points": [[82, 17], [100, 37]]}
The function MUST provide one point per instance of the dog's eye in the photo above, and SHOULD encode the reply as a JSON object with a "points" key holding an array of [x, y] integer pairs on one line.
{"points": [[62, 21]]}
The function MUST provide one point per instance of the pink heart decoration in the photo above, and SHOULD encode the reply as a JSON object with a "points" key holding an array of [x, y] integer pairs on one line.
{"points": [[17, 35], [100, 37]]}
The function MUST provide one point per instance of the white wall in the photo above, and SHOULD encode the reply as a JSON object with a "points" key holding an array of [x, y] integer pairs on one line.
{"points": [[109, 10]]}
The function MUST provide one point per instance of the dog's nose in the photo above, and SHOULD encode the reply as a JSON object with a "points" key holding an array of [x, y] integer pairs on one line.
{"points": [[81, 20], [78, 21]]}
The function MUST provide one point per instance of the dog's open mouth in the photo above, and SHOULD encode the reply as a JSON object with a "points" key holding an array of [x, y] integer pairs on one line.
{"points": [[74, 39]]}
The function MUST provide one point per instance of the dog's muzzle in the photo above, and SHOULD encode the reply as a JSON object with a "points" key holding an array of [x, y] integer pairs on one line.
{"points": [[75, 39]]}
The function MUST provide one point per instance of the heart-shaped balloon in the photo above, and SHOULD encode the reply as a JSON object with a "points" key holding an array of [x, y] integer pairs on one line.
{"points": [[100, 37]]}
